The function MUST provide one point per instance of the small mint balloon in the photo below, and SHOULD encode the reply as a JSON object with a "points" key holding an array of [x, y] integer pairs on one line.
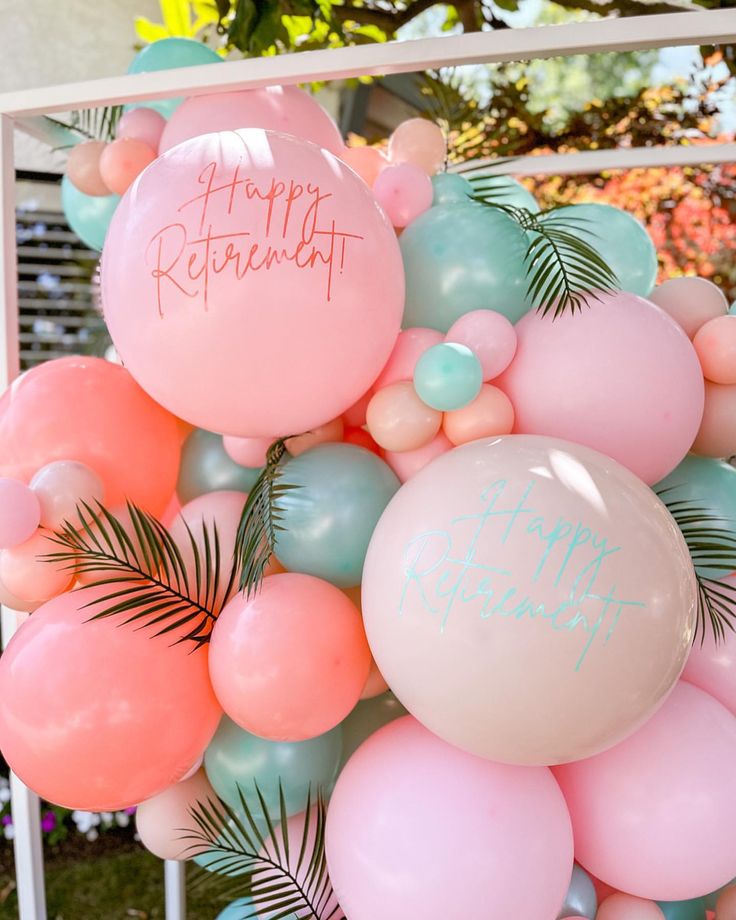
{"points": [[448, 188], [89, 216], [448, 376], [683, 910]]}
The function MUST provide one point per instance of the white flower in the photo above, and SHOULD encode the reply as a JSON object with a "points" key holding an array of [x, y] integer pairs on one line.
{"points": [[85, 820], [92, 835], [9, 832], [4, 794], [107, 818], [121, 819]]}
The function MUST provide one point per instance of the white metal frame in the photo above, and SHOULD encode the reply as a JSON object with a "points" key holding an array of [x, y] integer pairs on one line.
{"points": [[22, 110]]}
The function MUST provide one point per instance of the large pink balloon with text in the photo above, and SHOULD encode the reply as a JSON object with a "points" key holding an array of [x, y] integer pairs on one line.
{"points": [[528, 599], [251, 284]]}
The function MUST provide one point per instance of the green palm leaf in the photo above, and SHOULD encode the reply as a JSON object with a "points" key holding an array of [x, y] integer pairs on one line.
{"points": [[252, 855], [149, 582], [712, 544], [92, 124]]}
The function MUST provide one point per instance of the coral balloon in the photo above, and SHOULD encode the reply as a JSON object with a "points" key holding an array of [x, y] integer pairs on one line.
{"points": [[20, 513], [83, 168], [410, 346], [726, 904], [524, 555], [691, 302], [164, 821], [642, 791], [116, 722], [404, 192], [715, 344], [142, 124], [123, 161], [490, 414], [323, 434], [641, 400], [92, 411], [407, 463], [402, 799], [420, 142], [61, 486], [292, 245], [490, 336], [717, 434], [375, 685], [286, 109], [622, 906], [711, 664], [290, 662], [398, 420], [367, 162], [28, 575]]}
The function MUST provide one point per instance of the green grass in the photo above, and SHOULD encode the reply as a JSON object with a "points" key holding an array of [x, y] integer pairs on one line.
{"points": [[115, 885]]}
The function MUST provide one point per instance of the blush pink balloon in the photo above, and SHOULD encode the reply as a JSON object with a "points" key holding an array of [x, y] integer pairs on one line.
{"points": [[526, 555], [711, 664], [637, 822], [367, 162], [690, 302], [286, 109], [408, 463], [715, 345], [164, 821], [398, 420], [247, 451], [142, 124], [489, 335], [61, 486], [404, 192], [83, 168], [123, 161], [622, 906], [490, 414], [418, 141], [300, 291], [20, 513], [114, 723], [417, 828], [717, 433], [408, 349], [323, 434], [28, 575], [620, 377], [290, 662]]}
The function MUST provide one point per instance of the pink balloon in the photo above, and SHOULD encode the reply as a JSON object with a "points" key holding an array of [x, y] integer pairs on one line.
{"points": [[715, 345], [367, 162], [717, 434], [323, 434], [297, 290], [620, 377], [417, 828], [407, 463], [61, 486], [142, 124], [98, 716], [528, 556], [28, 575], [418, 141], [726, 904], [656, 815], [398, 420], [247, 451], [286, 109], [83, 168], [690, 302], [622, 906], [123, 161], [489, 335], [490, 414], [711, 665], [20, 513], [404, 192], [408, 349], [290, 662], [164, 821]]}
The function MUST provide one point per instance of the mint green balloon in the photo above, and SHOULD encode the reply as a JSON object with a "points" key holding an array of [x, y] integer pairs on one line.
{"points": [[235, 758], [461, 256], [508, 192], [448, 376], [732, 308], [683, 910], [619, 238], [89, 216], [211, 861], [236, 910], [329, 519], [710, 484], [367, 717], [449, 188], [206, 467], [170, 54]]}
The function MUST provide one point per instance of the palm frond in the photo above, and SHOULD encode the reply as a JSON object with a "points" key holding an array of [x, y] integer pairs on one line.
{"points": [[253, 849], [711, 540], [92, 124], [261, 521], [149, 582]]}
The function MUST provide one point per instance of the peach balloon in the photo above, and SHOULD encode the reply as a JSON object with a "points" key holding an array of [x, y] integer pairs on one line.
{"points": [[410, 346], [164, 821], [61, 486], [717, 434], [20, 513], [621, 906], [290, 662], [715, 344], [30, 577], [398, 420], [142, 124], [83, 168], [123, 161], [98, 716], [490, 413], [13, 602], [690, 302], [726, 904], [418, 141], [323, 434], [367, 162], [408, 463], [92, 411], [247, 451]]}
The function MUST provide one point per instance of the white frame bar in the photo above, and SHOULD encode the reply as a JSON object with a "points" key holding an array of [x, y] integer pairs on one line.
{"points": [[20, 110]]}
